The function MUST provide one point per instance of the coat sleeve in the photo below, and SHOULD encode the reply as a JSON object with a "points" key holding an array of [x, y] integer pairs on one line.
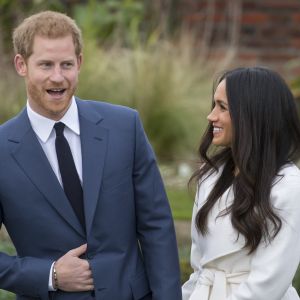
{"points": [[155, 226], [26, 276], [189, 286], [274, 265]]}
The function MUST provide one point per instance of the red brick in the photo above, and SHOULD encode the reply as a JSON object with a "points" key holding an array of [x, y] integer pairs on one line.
{"points": [[269, 33], [296, 17], [195, 18], [294, 33], [219, 17], [247, 56], [249, 5], [254, 18], [295, 43], [282, 19], [201, 5], [269, 56], [280, 4], [221, 5]]}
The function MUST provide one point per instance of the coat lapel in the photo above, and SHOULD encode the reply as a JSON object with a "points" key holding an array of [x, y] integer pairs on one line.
{"points": [[93, 145], [222, 239], [28, 153]]}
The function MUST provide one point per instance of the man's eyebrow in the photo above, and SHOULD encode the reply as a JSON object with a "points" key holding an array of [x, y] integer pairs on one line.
{"points": [[44, 60], [68, 60]]}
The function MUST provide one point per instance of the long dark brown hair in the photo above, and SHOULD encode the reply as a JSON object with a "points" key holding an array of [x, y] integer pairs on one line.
{"points": [[266, 136]]}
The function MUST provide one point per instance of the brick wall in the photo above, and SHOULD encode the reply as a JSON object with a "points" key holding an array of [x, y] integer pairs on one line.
{"points": [[260, 31]]}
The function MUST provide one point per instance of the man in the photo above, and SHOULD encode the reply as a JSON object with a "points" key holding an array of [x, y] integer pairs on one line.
{"points": [[80, 192]]}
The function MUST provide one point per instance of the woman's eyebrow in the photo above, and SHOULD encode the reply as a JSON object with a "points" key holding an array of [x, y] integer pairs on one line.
{"points": [[221, 102]]}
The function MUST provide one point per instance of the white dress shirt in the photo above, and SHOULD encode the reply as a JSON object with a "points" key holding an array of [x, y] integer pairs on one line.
{"points": [[43, 128]]}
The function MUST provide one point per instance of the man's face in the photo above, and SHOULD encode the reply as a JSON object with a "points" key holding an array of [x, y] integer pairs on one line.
{"points": [[51, 75]]}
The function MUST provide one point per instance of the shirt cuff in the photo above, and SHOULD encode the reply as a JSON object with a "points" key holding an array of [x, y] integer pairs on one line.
{"points": [[50, 283]]}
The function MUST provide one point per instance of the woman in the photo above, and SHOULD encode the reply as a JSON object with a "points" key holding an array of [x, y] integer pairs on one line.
{"points": [[246, 217]]}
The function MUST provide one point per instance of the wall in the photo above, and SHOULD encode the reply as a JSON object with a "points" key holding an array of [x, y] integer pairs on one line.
{"points": [[246, 31]]}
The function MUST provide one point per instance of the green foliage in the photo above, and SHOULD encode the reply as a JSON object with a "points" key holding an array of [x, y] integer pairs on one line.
{"points": [[296, 281], [295, 85], [4, 295], [181, 203], [161, 81], [6, 246], [293, 67], [13, 90], [186, 270], [110, 20], [130, 22], [12, 12]]}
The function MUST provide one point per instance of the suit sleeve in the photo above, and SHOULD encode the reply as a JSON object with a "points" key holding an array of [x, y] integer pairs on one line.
{"points": [[26, 276], [274, 265], [155, 227]]}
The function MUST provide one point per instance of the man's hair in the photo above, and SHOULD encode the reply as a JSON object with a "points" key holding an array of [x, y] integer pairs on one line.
{"points": [[47, 24]]}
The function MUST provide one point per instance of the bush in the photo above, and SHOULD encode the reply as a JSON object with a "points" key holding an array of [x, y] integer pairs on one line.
{"points": [[186, 270], [296, 281], [111, 20], [161, 81]]}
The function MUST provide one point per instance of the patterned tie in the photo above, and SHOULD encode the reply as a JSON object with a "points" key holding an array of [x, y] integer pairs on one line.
{"points": [[69, 175]]}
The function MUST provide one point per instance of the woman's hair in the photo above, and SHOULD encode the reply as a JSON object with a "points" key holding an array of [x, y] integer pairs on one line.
{"points": [[266, 136], [47, 24]]}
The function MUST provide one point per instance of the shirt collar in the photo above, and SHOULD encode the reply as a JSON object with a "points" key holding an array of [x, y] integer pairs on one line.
{"points": [[43, 126]]}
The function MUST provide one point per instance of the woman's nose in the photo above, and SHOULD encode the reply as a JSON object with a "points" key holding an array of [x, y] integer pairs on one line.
{"points": [[212, 116]]}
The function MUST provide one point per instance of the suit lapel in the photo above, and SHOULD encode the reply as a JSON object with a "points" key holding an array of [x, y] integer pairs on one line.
{"points": [[28, 153], [94, 145]]}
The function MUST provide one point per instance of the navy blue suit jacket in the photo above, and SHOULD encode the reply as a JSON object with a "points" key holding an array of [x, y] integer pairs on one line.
{"points": [[130, 234]]}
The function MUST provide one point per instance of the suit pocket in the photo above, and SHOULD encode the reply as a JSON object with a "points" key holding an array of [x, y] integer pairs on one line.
{"points": [[140, 286]]}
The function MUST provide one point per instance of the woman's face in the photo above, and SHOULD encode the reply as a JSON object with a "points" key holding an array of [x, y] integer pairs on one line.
{"points": [[220, 118]]}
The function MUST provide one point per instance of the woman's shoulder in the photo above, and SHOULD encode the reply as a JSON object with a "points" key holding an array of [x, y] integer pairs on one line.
{"points": [[289, 172], [286, 186]]}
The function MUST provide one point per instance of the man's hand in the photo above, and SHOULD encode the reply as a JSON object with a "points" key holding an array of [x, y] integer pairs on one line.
{"points": [[73, 273]]}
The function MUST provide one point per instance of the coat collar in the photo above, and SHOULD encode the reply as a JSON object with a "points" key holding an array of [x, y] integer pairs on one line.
{"points": [[222, 239]]}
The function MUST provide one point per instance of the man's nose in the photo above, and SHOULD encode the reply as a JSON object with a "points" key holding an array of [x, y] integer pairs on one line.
{"points": [[57, 75]]}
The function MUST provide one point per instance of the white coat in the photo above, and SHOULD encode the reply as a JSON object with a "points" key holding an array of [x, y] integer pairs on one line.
{"points": [[223, 270]]}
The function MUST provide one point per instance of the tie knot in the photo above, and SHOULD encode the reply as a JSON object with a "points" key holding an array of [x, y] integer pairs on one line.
{"points": [[59, 128]]}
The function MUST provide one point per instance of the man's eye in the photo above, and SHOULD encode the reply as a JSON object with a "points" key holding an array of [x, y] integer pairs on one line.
{"points": [[67, 65], [45, 65]]}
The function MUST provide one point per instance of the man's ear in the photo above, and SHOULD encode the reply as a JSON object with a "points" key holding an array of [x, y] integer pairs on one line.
{"points": [[79, 61], [20, 65]]}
